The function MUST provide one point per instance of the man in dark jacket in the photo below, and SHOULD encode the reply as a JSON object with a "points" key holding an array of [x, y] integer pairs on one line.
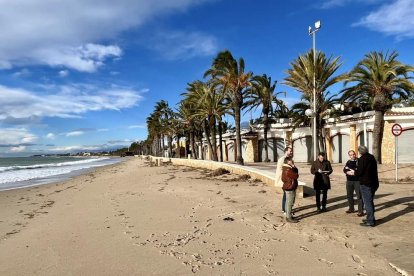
{"points": [[367, 173], [321, 168], [352, 184]]}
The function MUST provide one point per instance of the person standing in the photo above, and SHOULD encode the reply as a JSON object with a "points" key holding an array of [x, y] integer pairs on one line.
{"points": [[278, 178], [321, 168], [352, 184], [367, 172], [290, 175]]}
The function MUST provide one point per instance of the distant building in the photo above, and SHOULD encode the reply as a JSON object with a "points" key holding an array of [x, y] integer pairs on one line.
{"points": [[341, 135]]}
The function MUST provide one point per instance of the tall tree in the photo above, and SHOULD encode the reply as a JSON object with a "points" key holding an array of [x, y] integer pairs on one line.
{"points": [[300, 77], [230, 74], [185, 113], [261, 95], [378, 79], [208, 106]]}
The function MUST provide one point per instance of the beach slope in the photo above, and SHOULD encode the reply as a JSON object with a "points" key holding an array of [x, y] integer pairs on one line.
{"points": [[133, 219]]}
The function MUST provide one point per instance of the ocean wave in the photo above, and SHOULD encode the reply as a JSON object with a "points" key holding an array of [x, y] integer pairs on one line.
{"points": [[52, 165], [42, 171]]}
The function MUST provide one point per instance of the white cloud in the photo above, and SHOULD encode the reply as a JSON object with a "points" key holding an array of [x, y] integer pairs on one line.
{"points": [[328, 4], [137, 126], [16, 137], [76, 148], [394, 19], [181, 46], [120, 142], [63, 73], [50, 136], [64, 101], [74, 133], [17, 149], [70, 33], [22, 73]]}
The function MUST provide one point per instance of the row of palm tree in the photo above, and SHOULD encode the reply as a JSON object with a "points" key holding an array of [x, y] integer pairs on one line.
{"points": [[377, 82]]}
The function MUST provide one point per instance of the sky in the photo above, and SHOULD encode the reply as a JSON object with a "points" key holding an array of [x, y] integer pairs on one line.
{"points": [[83, 75]]}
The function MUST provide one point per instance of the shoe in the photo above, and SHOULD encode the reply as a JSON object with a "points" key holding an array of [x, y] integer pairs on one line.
{"points": [[360, 214], [349, 211], [318, 210], [366, 224], [324, 209], [292, 220]]}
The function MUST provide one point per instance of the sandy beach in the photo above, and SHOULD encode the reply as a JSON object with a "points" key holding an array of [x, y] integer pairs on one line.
{"points": [[133, 219]]}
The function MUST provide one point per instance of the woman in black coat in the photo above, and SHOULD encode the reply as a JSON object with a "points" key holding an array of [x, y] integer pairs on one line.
{"points": [[321, 168]]}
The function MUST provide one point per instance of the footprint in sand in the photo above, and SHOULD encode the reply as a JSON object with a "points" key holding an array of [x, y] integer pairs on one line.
{"points": [[278, 240], [304, 248], [325, 261], [357, 259], [348, 245], [12, 232]]}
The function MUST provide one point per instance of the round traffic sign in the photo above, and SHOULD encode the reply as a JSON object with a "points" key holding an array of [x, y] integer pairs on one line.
{"points": [[396, 129]]}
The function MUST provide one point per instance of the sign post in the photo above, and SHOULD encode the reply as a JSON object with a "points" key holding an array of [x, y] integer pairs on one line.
{"points": [[396, 131]]}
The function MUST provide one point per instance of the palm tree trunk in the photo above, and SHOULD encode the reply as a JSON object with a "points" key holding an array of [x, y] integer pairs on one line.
{"points": [[178, 148], [192, 143], [202, 148], [239, 158], [207, 132], [220, 129], [377, 135], [163, 144], [266, 126], [169, 141], [213, 139]]}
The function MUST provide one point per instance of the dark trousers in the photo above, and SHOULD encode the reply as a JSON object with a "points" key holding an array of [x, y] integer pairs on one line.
{"points": [[324, 198], [284, 201], [368, 194], [352, 186]]}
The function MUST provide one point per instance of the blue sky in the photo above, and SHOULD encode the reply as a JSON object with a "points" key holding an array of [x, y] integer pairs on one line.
{"points": [[83, 75]]}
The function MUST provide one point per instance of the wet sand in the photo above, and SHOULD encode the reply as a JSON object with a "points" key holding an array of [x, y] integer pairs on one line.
{"points": [[135, 219]]}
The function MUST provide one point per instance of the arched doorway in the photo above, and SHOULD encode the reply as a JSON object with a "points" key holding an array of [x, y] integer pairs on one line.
{"points": [[302, 149], [340, 148]]}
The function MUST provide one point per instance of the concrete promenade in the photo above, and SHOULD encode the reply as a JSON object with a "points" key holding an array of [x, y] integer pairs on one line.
{"points": [[265, 172]]}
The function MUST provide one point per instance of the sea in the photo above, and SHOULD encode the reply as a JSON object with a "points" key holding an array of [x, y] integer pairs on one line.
{"points": [[21, 172]]}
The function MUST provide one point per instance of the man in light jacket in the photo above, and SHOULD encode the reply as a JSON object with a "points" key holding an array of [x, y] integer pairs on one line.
{"points": [[278, 178]]}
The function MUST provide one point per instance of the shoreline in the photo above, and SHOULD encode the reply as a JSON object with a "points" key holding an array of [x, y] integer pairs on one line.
{"points": [[129, 218], [53, 178]]}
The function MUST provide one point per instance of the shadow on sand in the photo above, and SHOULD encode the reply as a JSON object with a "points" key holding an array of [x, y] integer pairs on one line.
{"points": [[335, 203], [407, 201]]}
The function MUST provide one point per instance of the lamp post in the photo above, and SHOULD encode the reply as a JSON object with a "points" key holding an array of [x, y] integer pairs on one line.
{"points": [[312, 32]]}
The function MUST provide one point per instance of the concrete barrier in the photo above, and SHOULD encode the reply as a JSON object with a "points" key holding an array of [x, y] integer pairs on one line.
{"points": [[264, 176]]}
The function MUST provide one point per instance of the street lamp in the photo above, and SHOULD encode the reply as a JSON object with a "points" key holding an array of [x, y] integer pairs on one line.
{"points": [[312, 32]]}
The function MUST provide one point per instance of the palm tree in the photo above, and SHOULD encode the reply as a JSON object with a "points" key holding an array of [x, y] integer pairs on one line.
{"points": [[326, 109], [378, 79], [185, 113], [208, 107], [261, 94], [165, 115], [300, 77], [230, 75], [154, 136], [160, 123]]}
